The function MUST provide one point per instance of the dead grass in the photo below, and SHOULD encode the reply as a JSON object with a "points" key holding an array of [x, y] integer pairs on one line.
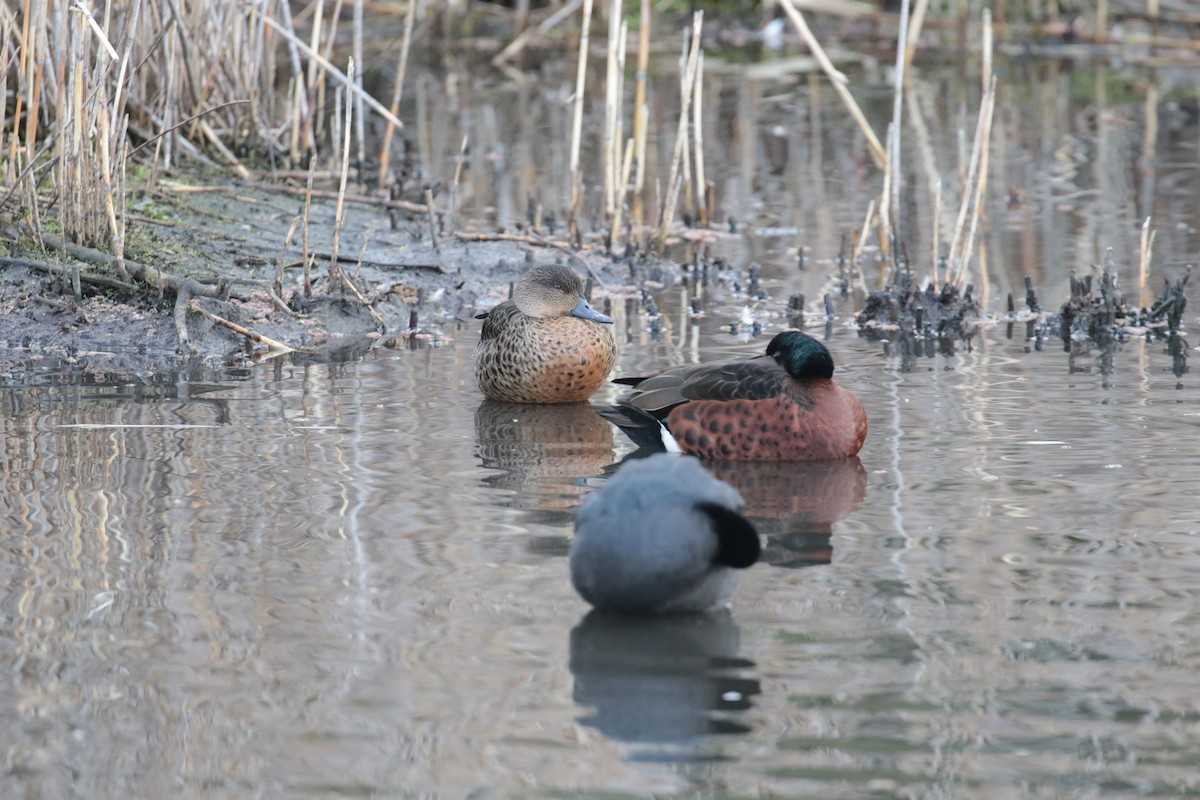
{"points": [[160, 83]]}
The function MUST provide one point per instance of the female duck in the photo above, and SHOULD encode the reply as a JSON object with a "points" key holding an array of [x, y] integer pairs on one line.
{"points": [[547, 344], [662, 536], [782, 406]]}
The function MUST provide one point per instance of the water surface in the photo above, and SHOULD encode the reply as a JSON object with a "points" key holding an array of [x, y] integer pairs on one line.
{"points": [[331, 580]]}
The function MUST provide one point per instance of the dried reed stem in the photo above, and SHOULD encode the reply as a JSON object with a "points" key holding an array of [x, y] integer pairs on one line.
{"points": [[961, 245], [885, 195], [878, 154], [577, 120], [522, 40], [702, 209], [1145, 253], [337, 74], [452, 206], [431, 216], [667, 212], [242, 330], [359, 115], [685, 155], [914, 29], [626, 167], [640, 113], [937, 232], [339, 218], [385, 148], [96, 29], [307, 254], [860, 245], [612, 111], [889, 206]]}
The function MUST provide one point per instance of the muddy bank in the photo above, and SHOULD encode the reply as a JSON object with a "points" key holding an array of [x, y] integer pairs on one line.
{"points": [[201, 283]]}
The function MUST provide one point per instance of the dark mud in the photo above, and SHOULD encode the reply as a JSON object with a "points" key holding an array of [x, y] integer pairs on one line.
{"points": [[209, 261]]}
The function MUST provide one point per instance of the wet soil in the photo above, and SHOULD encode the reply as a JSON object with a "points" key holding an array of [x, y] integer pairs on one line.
{"points": [[201, 284]]}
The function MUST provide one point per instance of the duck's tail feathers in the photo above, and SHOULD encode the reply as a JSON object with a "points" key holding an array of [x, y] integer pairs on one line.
{"points": [[738, 545], [642, 428]]}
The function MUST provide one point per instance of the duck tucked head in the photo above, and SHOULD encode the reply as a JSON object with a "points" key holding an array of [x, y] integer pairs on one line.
{"points": [[662, 536], [780, 406], [801, 356], [554, 290]]}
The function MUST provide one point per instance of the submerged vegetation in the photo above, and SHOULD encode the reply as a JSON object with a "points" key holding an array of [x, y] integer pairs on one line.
{"points": [[111, 115]]}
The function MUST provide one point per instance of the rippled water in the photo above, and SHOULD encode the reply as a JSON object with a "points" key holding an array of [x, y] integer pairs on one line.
{"points": [[350, 579]]}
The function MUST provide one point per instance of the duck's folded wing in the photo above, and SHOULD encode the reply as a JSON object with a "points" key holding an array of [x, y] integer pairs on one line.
{"points": [[756, 379], [496, 320]]}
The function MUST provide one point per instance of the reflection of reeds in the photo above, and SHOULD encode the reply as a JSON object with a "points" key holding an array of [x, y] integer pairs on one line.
{"points": [[240, 81], [884, 213]]}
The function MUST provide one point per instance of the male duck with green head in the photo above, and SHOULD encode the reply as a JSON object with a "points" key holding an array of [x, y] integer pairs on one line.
{"points": [[781, 406]]}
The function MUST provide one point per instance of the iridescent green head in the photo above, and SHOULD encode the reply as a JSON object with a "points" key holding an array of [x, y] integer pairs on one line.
{"points": [[801, 356]]}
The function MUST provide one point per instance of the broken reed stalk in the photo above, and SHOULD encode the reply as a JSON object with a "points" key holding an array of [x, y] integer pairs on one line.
{"points": [[295, 93], [1145, 252], [253, 336], [885, 196], [116, 227], [339, 217], [889, 205], [525, 36], [5, 43], [626, 167], [685, 156], [914, 29], [431, 215], [702, 209], [307, 254], [667, 211], [981, 179], [612, 111], [385, 148], [359, 115], [328, 69], [963, 240], [452, 205], [577, 121], [838, 79], [640, 114], [937, 232], [857, 251], [619, 116], [314, 80]]}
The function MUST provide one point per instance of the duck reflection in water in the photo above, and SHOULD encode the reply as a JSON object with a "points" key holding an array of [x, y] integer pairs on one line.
{"points": [[795, 505], [671, 679], [544, 455]]}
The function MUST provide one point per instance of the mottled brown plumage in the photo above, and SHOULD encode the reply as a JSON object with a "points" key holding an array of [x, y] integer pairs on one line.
{"points": [[782, 406], [547, 344]]}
